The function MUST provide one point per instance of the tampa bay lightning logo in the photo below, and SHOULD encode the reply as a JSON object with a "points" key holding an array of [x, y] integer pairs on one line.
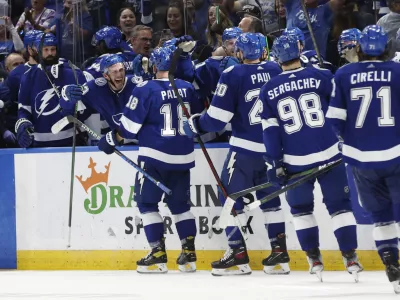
{"points": [[117, 118], [47, 102]]}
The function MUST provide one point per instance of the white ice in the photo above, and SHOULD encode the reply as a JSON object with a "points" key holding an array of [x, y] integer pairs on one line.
{"points": [[124, 285]]}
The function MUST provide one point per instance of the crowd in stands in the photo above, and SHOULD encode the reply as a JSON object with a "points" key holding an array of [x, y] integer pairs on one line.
{"points": [[145, 24]]}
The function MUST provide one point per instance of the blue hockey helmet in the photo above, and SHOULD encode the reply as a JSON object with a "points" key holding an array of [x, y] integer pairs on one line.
{"points": [[348, 40], [110, 60], [161, 57], [286, 48], [373, 40], [296, 33], [249, 44], [112, 36], [30, 37], [48, 40], [231, 33]]}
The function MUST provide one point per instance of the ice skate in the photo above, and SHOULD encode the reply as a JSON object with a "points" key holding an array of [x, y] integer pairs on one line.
{"points": [[353, 266], [154, 262], [279, 257], [392, 270], [234, 262], [315, 261], [187, 259]]}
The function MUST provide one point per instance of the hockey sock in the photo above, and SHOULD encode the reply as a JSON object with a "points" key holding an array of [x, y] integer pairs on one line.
{"points": [[153, 227], [385, 236], [274, 222], [185, 225], [234, 236], [307, 230], [344, 227]]}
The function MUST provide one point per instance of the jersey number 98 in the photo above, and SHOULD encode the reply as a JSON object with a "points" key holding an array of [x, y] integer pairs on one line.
{"points": [[311, 109]]}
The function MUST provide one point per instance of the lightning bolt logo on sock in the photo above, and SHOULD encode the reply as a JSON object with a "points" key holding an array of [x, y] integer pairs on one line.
{"points": [[141, 176], [230, 167], [44, 104]]}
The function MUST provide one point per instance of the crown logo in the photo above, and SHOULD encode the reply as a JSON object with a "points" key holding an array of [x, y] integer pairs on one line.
{"points": [[94, 177]]}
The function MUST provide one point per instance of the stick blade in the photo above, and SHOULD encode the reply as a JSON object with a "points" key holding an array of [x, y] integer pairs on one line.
{"points": [[225, 217], [60, 125]]}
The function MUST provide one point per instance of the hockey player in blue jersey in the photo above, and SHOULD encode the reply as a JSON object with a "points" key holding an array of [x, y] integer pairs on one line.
{"points": [[297, 138], [363, 110], [154, 116], [107, 95], [347, 44], [309, 57], [108, 40], [38, 98], [236, 101]]}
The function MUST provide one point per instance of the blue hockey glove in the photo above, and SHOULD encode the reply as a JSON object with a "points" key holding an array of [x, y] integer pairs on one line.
{"points": [[276, 172], [138, 68], [24, 129], [70, 95], [191, 127], [227, 62], [108, 142], [9, 138]]}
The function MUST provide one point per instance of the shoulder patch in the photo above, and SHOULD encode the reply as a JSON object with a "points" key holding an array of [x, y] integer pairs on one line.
{"points": [[136, 79], [85, 89], [101, 81], [228, 69], [142, 83]]}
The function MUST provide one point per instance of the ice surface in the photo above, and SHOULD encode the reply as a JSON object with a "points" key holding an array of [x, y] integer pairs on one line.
{"points": [[124, 285]]}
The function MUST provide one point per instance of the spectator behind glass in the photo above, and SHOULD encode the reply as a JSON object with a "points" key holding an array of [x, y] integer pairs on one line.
{"points": [[321, 17], [12, 61], [280, 11], [391, 23], [38, 17], [142, 37], [251, 24], [176, 19], [126, 21], [214, 39], [8, 45], [76, 29], [268, 16], [345, 18]]}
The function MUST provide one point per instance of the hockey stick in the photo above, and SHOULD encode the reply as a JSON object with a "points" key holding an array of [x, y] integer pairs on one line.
{"points": [[230, 201], [310, 29], [321, 170], [57, 127], [71, 186], [171, 78]]}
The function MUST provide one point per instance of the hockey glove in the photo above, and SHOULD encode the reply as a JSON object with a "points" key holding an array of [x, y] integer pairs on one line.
{"points": [[24, 130], [191, 126], [228, 61], [9, 138], [276, 172], [70, 95], [138, 68], [108, 142]]}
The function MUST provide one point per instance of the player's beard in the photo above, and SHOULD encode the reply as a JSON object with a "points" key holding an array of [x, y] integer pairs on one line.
{"points": [[50, 60]]}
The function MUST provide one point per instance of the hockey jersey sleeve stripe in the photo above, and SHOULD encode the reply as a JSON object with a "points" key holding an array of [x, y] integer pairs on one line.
{"points": [[26, 107], [304, 160], [246, 144], [269, 122], [130, 126], [336, 113], [48, 137], [166, 158], [219, 114], [371, 156]]}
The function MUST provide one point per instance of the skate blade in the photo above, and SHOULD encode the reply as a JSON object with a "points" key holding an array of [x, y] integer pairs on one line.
{"points": [[279, 269], [188, 267], [153, 269], [355, 276], [317, 270], [354, 270], [235, 270], [396, 286]]}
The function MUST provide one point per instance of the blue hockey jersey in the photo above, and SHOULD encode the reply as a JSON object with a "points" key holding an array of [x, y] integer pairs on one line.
{"points": [[39, 103], [236, 101], [13, 80], [364, 107], [207, 75], [293, 119], [154, 116], [98, 96]]}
